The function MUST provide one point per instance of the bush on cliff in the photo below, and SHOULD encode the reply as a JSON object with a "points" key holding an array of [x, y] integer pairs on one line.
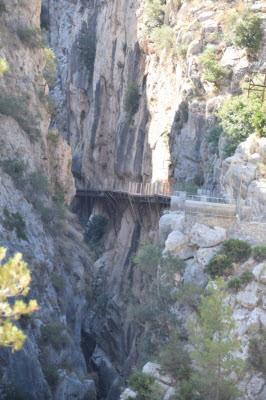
{"points": [[233, 250], [17, 108], [237, 121], [213, 71], [154, 13], [144, 385], [131, 100], [244, 30], [259, 253]]}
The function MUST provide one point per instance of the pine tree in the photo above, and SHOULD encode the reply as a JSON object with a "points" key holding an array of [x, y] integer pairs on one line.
{"points": [[214, 345], [14, 281], [3, 66]]}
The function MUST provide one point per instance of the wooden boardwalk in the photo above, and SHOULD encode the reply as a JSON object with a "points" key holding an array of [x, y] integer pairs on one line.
{"points": [[157, 192]]}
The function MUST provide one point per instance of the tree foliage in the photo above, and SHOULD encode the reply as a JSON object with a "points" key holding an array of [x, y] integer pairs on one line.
{"points": [[213, 71], [214, 345], [3, 66], [154, 13], [248, 32], [153, 309], [14, 281]]}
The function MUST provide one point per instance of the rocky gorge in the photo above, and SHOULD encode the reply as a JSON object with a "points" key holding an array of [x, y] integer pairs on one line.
{"points": [[124, 105]]}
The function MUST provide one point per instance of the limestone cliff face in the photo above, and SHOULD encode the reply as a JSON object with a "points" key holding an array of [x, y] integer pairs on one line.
{"points": [[54, 251]]}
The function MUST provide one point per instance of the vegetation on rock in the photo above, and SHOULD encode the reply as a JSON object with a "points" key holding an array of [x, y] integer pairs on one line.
{"points": [[131, 100], [233, 250], [14, 221], [259, 253], [244, 30], [17, 108], [144, 385], [213, 71]]}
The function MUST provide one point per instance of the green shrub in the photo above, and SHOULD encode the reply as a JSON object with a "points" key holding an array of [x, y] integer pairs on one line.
{"points": [[131, 100], [50, 213], [186, 391], [246, 277], [14, 221], [237, 120], [48, 103], [238, 250], [218, 264], [259, 122], [259, 253], [182, 51], [95, 229], [248, 32], [144, 385], [236, 283], [31, 37], [51, 374], [163, 38], [3, 66], [154, 13], [49, 71], [214, 136], [189, 295], [213, 71], [171, 264], [54, 333], [148, 258], [39, 182], [175, 360], [16, 169], [257, 353], [53, 137], [16, 107]]}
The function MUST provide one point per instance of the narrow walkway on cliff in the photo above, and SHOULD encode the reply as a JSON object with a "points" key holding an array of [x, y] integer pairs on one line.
{"points": [[168, 197]]}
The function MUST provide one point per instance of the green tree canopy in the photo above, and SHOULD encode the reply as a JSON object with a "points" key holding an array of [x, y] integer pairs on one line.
{"points": [[14, 281], [211, 335], [3, 66]]}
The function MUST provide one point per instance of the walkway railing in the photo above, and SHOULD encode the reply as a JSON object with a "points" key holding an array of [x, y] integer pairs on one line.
{"points": [[155, 189]]}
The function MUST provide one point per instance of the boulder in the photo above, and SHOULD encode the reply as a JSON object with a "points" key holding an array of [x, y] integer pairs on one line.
{"points": [[259, 272], [153, 369], [194, 47], [210, 26], [170, 222], [253, 323], [241, 316], [194, 273], [203, 236], [205, 15], [170, 394], [177, 244], [128, 393], [205, 254], [71, 387], [248, 298], [231, 56]]}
